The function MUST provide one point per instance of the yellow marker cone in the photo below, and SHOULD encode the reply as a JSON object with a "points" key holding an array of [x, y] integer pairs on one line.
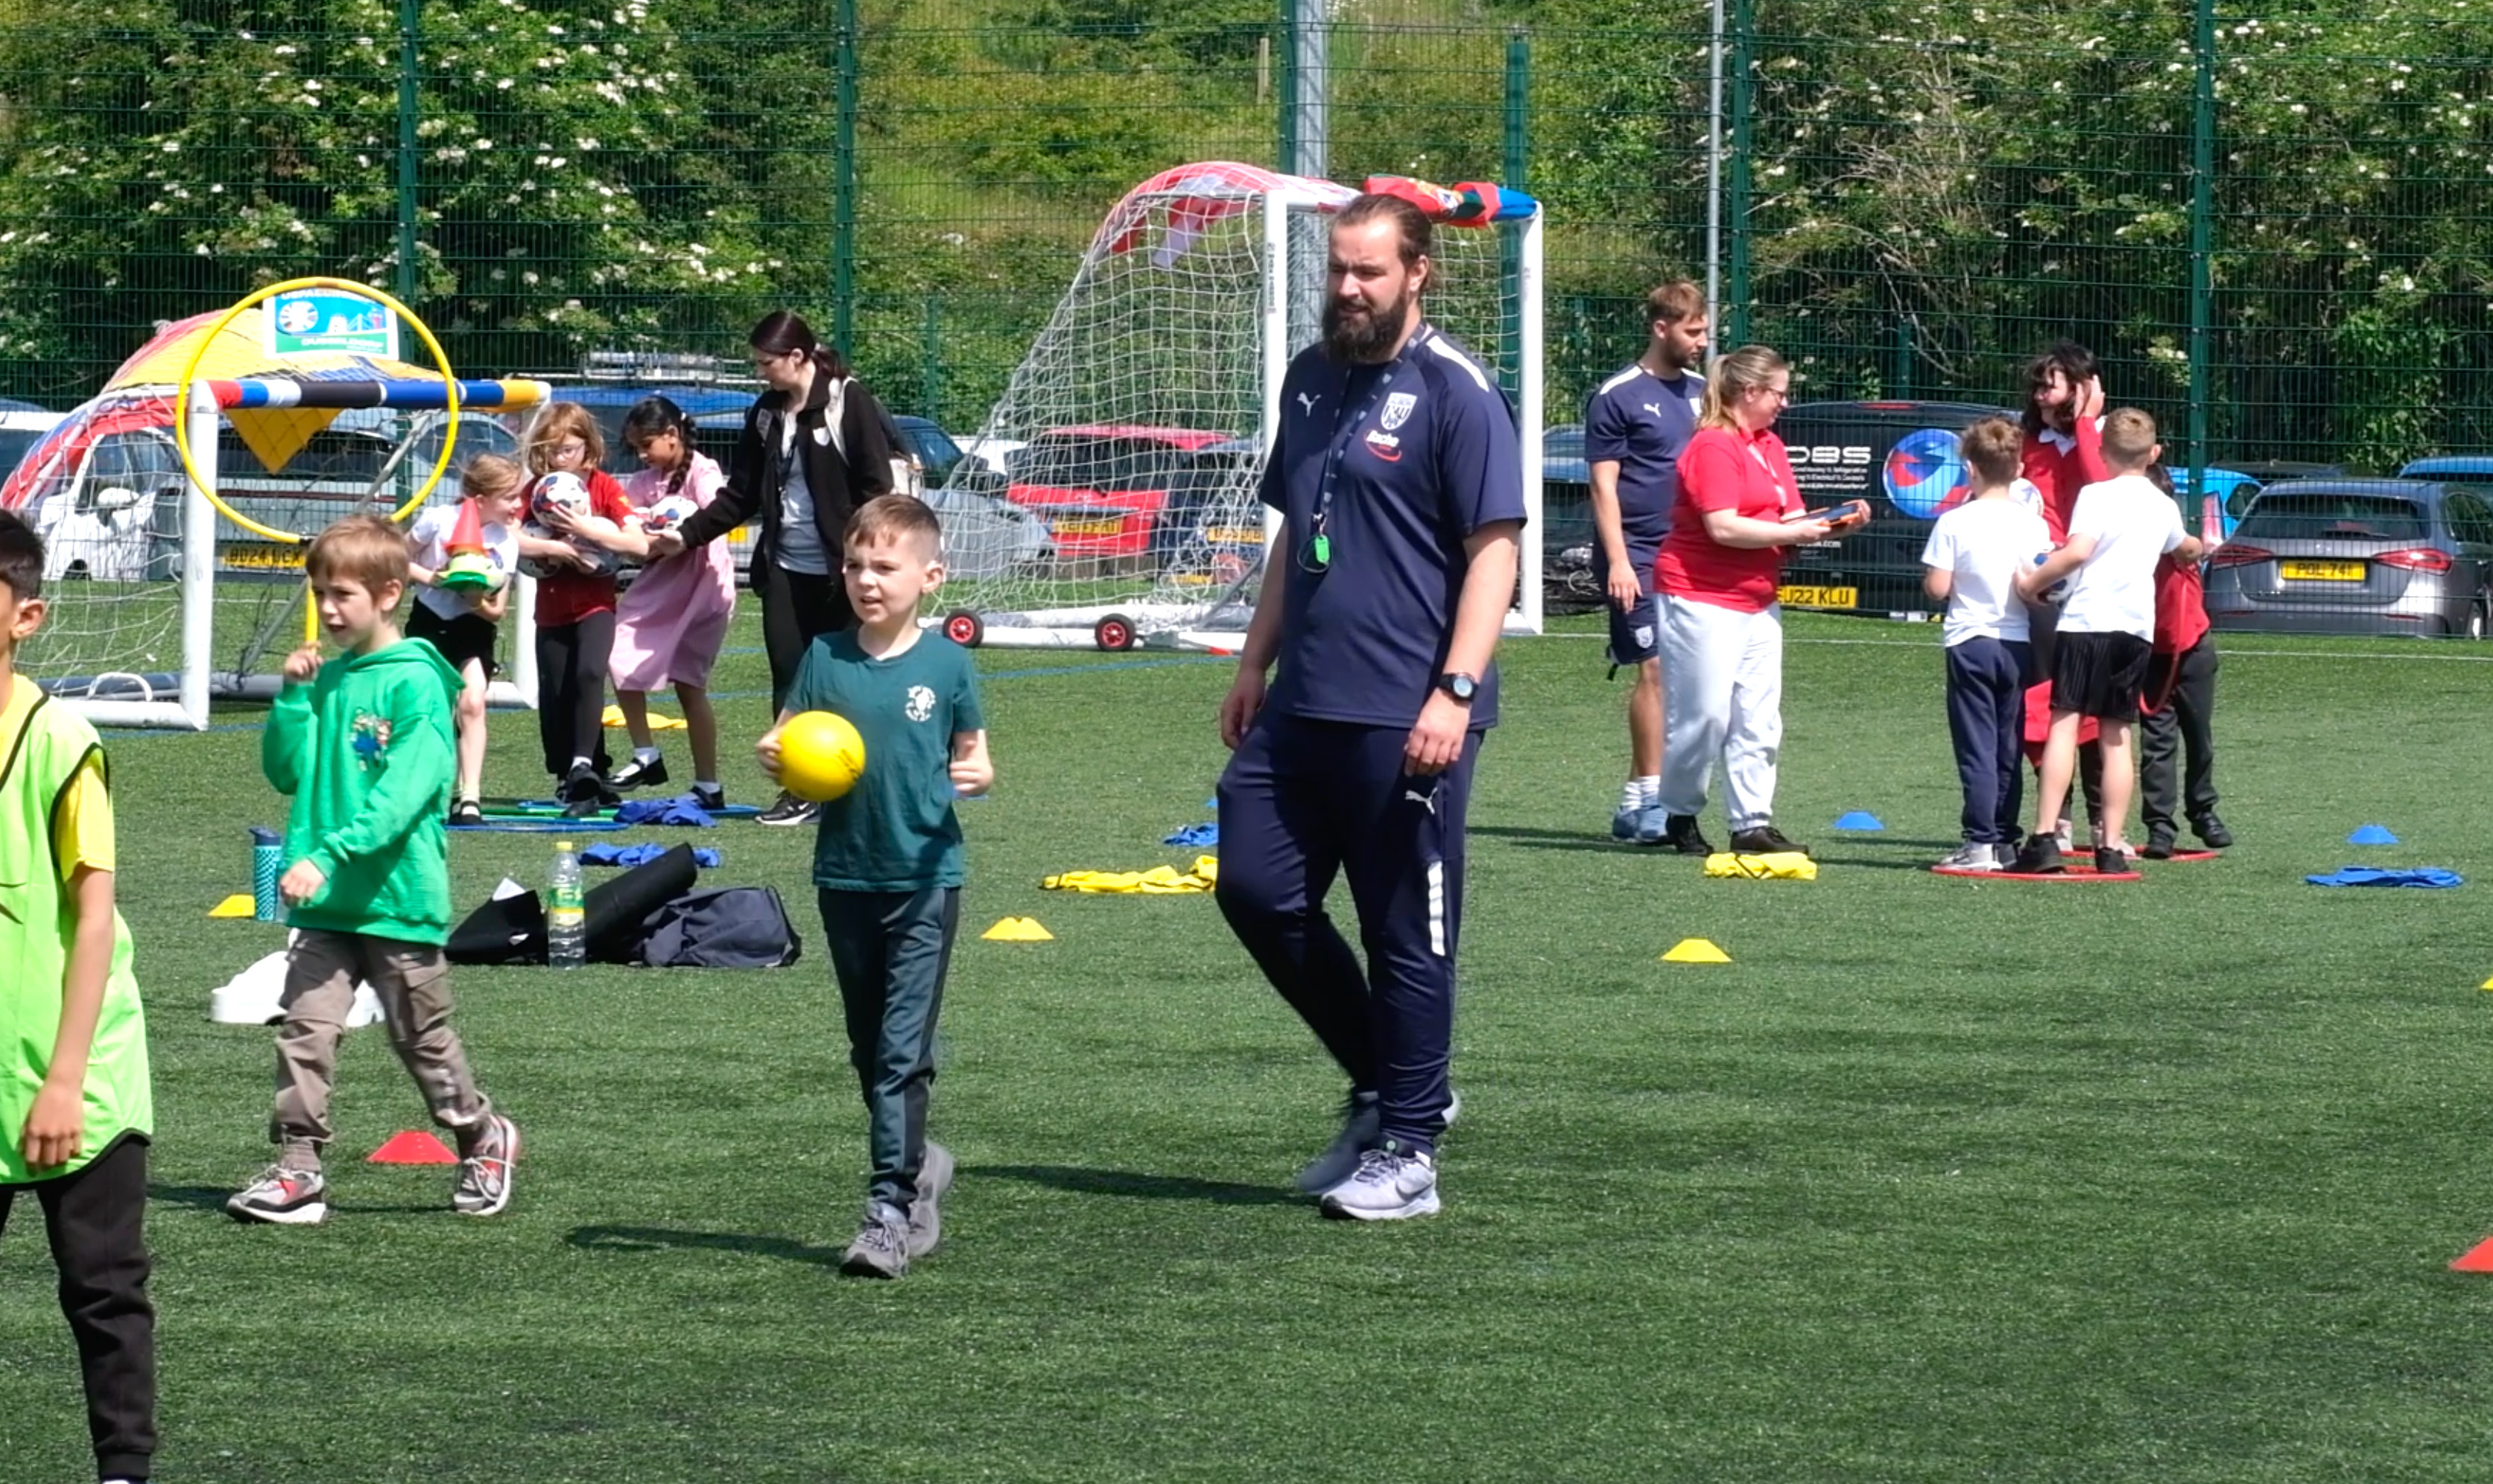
{"points": [[1695, 950], [239, 904], [1018, 930], [2486, 985]]}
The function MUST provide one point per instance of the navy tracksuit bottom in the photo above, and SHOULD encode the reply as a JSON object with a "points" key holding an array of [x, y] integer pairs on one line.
{"points": [[1986, 705], [1303, 801]]}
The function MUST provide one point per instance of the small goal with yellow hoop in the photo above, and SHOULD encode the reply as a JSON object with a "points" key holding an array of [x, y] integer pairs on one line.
{"points": [[175, 554]]}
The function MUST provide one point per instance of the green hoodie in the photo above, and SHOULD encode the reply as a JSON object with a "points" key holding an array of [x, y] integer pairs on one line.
{"points": [[366, 749]]}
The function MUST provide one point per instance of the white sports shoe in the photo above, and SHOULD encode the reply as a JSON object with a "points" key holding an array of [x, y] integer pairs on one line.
{"points": [[1972, 857], [1388, 1185]]}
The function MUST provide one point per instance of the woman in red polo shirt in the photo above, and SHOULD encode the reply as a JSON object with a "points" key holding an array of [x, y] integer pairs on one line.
{"points": [[1722, 630]]}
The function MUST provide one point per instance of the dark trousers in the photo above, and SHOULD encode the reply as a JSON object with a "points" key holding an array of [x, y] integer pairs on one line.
{"points": [[571, 691], [1305, 800], [94, 1220], [2185, 686], [1986, 706], [889, 951], [797, 610]]}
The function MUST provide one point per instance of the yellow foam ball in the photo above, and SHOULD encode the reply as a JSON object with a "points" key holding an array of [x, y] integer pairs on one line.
{"points": [[820, 755]]}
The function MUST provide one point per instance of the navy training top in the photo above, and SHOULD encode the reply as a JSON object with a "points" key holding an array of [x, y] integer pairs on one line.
{"points": [[1424, 453], [1644, 422]]}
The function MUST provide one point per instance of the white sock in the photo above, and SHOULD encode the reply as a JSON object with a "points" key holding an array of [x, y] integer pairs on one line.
{"points": [[1650, 786], [580, 760], [707, 785], [1632, 794], [644, 754]]}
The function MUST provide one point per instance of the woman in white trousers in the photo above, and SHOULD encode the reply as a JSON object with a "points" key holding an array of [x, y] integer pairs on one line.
{"points": [[1722, 631]]}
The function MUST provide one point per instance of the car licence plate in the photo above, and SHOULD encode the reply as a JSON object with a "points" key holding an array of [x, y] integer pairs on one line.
{"points": [[258, 556], [1819, 597], [1107, 527], [2322, 572]]}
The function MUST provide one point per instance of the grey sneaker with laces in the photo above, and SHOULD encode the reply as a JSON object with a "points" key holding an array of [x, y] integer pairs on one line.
{"points": [[1361, 1123], [1388, 1185], [882, 1246], [1972, 857], [483, 1187], [926, 1212], [284, 1193]]}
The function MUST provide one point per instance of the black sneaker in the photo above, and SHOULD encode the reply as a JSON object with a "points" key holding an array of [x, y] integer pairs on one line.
{"points": [[2040, 855], [636, 773], [2111, 860], [1679, 832], [1764, 840], [711, 800], [2159, 846], [790, 810], [466, 812], [2211, 832]]}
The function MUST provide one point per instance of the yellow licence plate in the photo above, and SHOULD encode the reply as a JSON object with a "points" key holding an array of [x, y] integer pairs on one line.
{"points": [[1819, 597], [1235, 535], [259, 556], [1108, 528], [2322, 572]]}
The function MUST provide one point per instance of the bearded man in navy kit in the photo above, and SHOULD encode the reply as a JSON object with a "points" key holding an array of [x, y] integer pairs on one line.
{"points": [[1401, 489]]}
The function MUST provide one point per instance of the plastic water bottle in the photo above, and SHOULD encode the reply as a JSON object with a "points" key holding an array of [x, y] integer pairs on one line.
{"points": [[566, 913]]}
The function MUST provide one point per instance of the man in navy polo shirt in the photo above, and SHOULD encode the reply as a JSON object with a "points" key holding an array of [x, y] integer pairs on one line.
{"points": [[1635, 427], [1401, 490]]}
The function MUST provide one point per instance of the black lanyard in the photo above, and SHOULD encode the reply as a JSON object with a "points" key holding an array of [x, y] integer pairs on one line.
{"points": [[1346, 422]]}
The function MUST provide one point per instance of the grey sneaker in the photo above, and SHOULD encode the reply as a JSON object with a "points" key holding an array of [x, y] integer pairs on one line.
{"points": [[286, 1196], [1972, 857], [925, 1215], [1388, 1185], [789, 811], [882, 1246], [1361, 1122], [483, 1187]]}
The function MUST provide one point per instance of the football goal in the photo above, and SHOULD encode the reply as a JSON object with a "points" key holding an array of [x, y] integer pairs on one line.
{"points": [[1112, 501]]}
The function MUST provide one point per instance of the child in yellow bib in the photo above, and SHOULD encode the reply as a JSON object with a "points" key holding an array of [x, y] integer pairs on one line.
{"points": [[74, 1106]]}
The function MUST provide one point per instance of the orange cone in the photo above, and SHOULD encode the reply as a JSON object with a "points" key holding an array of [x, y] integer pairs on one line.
{"points": [[414, 1147], [2478, 1259]]}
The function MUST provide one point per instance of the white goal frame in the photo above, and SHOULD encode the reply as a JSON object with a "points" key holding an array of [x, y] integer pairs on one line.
{"points": [[1165, 625]]}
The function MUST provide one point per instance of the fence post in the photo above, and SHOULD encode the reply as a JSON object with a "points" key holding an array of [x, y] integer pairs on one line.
{"points": [[2203, 228], [1900, 384], [409, 20], [1306, 88], [930, 362], [1743, 137], [844, 64], [1518, 161]]}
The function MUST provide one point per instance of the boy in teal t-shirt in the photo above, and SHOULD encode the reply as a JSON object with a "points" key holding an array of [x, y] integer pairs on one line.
{"points": [[75, 1109], [887, 861], [364, 745]]}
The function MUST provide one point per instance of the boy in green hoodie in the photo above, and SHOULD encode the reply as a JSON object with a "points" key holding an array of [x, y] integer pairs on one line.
{"points": [[364, 744], [74, 1104]]}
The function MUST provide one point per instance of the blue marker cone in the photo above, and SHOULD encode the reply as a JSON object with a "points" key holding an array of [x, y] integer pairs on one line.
{"points": [[1860, 819], [2371, 835]]}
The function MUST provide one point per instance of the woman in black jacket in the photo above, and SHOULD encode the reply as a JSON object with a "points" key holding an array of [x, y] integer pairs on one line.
{"points": [[814, 449]]}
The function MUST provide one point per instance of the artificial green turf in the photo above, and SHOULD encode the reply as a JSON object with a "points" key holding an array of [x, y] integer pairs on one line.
{"points": [[1936, 1180]]}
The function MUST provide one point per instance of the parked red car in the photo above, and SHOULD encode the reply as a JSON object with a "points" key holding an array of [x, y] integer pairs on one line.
{"points": [[1104, 489]]}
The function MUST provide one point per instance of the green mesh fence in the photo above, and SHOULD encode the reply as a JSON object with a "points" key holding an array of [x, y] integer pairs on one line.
{"points": [[1912, 205]]}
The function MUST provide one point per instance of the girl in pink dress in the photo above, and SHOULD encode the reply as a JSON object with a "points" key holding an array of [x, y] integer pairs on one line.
{"points": [[674, 617]]}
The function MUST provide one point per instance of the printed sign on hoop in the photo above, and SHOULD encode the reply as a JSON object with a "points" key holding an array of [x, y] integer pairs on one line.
{"points": [[304, 321]]}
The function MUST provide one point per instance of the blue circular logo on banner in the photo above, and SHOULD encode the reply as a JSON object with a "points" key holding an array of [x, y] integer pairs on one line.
{"points": [[1924, 475]]}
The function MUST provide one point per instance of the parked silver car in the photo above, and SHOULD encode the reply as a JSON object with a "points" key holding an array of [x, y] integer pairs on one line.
{"points": [[2357, 556]]}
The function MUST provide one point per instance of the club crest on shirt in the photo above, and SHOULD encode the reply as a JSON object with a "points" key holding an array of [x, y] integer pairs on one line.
{"points": [[921, 704], [1398, 409]]}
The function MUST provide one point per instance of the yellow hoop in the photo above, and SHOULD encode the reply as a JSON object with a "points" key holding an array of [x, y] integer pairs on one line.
{"points": [[191, 372]]}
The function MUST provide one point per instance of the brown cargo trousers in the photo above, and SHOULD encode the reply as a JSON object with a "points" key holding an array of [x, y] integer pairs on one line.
{"points": [[412, 981]]}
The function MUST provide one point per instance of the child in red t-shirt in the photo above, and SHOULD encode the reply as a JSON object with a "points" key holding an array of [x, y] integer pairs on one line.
{"points": [[2178, 708], [575, 619]]}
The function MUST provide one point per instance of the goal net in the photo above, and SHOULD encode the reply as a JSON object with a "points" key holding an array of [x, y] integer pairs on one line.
{"points": [[1111, 498], [158, 601]]}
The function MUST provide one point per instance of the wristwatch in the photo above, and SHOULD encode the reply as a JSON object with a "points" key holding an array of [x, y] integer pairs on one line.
{"points": [[1459, 686]]}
